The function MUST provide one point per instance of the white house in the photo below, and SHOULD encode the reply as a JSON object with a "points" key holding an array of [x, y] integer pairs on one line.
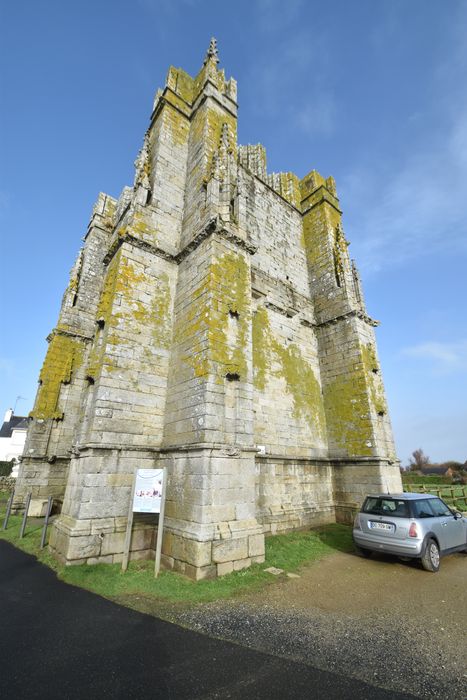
{"points": [[12, 438]]}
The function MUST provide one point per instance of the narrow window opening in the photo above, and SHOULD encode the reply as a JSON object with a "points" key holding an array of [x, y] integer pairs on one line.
{"points": [[73, 301], [232, 377], [375, 370], [381, 413], [100, 323], [234, 314], [90, 380]]}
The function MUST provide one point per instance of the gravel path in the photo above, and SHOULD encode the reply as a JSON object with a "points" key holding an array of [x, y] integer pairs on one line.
{"points": [[381, 621]]}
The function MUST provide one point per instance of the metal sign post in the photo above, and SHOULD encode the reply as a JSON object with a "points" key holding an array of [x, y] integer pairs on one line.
{"points": [[129, 526], [8, 511], [47, 515], [25, 516], [160, 527]]}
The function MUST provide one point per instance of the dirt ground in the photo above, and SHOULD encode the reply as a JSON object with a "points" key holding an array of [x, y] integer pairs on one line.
{"points": [[383, 621]]}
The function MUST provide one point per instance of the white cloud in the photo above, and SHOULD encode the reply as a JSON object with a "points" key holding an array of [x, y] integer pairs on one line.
{"points": [[418, 209], [416, 206], [446, 357]]}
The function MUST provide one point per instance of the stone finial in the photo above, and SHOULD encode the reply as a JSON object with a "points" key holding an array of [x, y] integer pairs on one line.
{"points": [[142, 165], [212, 52]]}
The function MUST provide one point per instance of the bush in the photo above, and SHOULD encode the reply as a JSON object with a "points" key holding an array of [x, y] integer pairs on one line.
{"points": [[6, 467]]}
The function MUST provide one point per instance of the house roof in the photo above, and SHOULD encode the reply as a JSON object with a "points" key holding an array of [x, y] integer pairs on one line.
{"points": [[434, 470], [15, 423]]}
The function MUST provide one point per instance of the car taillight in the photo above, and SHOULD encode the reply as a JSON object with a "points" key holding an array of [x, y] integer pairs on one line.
{"points": [[413, 530], [356, 522]]}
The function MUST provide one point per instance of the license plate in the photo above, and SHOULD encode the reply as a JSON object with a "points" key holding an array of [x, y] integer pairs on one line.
{"points": [[381, 526]]}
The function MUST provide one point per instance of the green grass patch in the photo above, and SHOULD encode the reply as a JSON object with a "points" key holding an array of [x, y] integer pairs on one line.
{"points": [[427, 480], [289, 552]]}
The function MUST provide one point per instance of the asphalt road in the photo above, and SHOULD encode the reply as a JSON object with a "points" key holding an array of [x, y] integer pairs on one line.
{"points": [[58, 641]]}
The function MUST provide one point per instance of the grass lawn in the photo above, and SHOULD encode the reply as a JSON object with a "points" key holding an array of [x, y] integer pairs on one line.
{"points": [[288, 552]]}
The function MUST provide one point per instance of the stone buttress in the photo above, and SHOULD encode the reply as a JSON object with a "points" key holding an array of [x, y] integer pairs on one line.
{"points": [[213, 325]]}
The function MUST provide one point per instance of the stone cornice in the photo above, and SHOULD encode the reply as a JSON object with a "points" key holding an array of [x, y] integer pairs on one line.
{"points": [[354, 313], [214, 227]]}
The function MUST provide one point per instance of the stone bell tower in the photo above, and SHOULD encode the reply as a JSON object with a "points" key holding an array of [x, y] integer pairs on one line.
{"points": [[213, 325]]}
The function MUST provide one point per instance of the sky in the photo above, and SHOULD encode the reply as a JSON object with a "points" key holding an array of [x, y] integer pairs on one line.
{"points": [[372, 93]]}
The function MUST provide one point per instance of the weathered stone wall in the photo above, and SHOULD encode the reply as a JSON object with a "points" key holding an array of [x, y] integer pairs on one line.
{"points": [[293, 493], [56, 415]]}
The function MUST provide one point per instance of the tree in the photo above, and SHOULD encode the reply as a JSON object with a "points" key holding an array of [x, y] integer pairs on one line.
{"points": [[418, 460]]}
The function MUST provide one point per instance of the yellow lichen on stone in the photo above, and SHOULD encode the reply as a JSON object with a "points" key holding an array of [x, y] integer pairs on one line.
{"points": [[372, 371], [177, 124], [300, 380], [213, 331], [104, 316], [346, 402], [141, 227], [181, 82], [122, 279], [156, 316], [261, 347], [310, 183], [64, 356], [290, 188]]}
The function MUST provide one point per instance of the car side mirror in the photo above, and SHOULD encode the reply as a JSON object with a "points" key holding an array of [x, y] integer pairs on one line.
{"points": [[457, 515]]}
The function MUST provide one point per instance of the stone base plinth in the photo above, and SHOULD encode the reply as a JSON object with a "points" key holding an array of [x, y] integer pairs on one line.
{"points": [[99, 541]]}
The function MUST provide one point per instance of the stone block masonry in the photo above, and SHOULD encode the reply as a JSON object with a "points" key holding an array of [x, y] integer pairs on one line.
{"points": [[213, 325]]}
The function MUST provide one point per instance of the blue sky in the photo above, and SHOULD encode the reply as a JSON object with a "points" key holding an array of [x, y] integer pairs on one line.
{"points": [[370, 92]]}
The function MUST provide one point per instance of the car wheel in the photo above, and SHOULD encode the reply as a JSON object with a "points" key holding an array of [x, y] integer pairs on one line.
{"points": [[363, 552], [430, 558]]}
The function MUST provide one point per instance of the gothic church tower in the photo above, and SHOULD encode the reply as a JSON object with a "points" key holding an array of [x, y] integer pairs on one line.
{"points": [[214, 325]]}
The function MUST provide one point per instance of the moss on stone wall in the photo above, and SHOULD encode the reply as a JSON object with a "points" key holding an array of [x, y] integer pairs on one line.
{"points": [[348, 412], [181, 82], [156, 315], [121, 280], [64, 356], [261, 348], [213, 330], [372, 371], [351, 402], [177, 124], [300, 380], [290, 188]]}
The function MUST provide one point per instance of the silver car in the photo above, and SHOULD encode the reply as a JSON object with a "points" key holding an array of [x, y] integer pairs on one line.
{"points": [[411, 526]]}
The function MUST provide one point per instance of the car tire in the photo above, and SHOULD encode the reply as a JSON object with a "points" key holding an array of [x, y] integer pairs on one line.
{"points": [[431, 557], [366, 553]]}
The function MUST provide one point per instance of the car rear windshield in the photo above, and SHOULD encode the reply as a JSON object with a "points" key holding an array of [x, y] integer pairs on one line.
{"points": [[394, 507]]}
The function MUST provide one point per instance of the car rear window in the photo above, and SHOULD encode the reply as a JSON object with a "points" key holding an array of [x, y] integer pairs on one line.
{"points": [[422, 509], [386, 506]]}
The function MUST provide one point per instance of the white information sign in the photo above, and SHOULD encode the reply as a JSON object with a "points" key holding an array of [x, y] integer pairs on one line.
{"points": [[147, 494]]}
